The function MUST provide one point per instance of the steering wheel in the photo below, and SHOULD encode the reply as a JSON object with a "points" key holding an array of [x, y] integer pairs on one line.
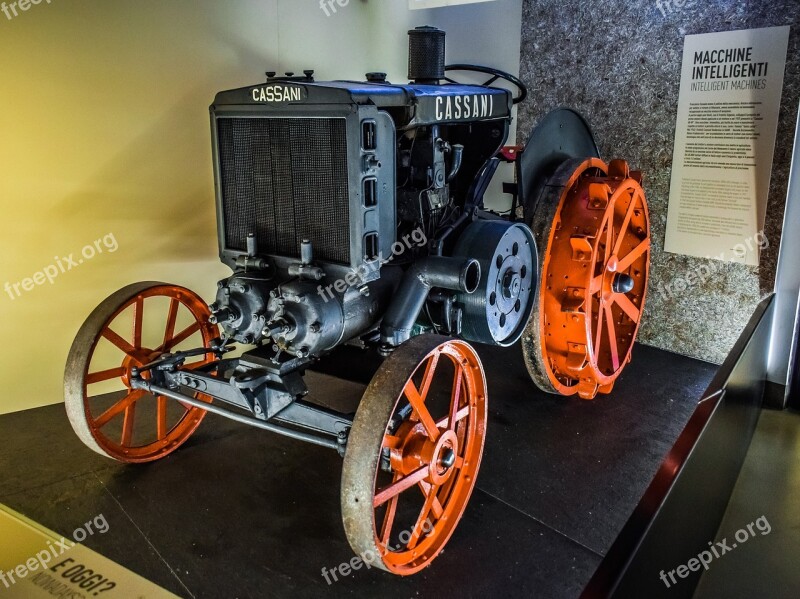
{"points": [[495, 75]]}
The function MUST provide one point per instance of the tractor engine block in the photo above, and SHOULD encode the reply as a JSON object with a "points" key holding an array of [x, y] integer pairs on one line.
{"points": [[301, 317]]}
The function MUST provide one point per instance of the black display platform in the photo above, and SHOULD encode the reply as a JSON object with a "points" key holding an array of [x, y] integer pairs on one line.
{"points": [[239, 512]]}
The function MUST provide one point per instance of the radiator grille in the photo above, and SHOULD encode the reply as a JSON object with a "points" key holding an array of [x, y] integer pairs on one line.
{"points": [[285, 179]]}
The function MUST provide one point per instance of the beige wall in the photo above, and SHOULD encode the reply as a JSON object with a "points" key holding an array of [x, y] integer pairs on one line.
{"points": [[104, 129]]}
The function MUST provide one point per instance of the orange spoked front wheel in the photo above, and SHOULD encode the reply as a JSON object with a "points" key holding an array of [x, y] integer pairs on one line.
{"points": [[593, 232], [414, 452], [130, 328]]}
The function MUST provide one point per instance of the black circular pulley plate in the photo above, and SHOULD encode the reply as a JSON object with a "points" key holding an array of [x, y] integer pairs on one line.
{"points": [[497, 312]]}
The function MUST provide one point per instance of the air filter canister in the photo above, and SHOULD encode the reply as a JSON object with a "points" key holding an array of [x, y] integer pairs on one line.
{"points": [[426, 46]]}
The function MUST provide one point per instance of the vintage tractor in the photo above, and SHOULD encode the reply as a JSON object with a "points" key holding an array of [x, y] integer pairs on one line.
{"points": [[352, 213]]}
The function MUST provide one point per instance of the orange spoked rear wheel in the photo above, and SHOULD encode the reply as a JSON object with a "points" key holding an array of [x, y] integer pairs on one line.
{"points": [[130, 328], [593, 231], [414, 452]]}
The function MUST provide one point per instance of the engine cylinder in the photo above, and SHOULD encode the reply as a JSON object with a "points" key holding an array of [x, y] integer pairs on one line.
{"points": [[303, 317]]}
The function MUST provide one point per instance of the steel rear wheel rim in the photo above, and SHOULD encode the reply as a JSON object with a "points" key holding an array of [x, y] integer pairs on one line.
{"points": [[420, 449], [95, 425], [593, 232]]}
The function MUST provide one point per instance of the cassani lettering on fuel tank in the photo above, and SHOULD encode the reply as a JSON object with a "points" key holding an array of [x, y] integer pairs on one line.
{"points": [[464, 107], [278, 93]]}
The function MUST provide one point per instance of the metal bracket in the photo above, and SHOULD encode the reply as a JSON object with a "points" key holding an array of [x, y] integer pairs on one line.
{"points": [[257, 383]]}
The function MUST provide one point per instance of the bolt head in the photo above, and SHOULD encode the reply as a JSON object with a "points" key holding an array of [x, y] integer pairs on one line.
{"points": [[622, 283], [448, 458]]}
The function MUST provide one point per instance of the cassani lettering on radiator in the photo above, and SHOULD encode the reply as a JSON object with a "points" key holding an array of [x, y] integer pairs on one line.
{"points": [[464, 107], [278, 93]]}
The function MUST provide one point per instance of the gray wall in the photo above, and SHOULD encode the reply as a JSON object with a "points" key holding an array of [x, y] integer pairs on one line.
{"points": [[619, 63]]}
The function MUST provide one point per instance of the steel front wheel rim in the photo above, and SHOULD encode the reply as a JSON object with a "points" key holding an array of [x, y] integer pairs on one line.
{"points": [[93, 426], [432, 457]]}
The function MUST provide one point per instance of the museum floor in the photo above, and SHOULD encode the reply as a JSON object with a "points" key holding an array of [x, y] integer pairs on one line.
{"points": [[239, 512], [765, 565]]}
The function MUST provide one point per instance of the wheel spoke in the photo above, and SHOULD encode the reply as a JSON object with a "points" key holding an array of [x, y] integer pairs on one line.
{"points": [[427, 378], [455, 399], [599, 332], [631, 257], [180, 337], [460, 415], [388, 518], [423, 515], [625, 223], [123, 345], [118, 408], [418, 404], [609, 237], [628, 307], [612, 338], [399, 486], [105, 375], [161, 424], [138, 318], [172, 317], [127, 425], [436, 506]]}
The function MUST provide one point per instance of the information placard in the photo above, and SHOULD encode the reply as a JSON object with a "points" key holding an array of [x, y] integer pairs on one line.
{"points": [[731, 84], [36, 563]]}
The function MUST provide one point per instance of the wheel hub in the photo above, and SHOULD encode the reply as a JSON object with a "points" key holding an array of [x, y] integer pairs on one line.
{"points": [[136, 359], [622, 283], [447, 458], [418, 451], [443, 457]]}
